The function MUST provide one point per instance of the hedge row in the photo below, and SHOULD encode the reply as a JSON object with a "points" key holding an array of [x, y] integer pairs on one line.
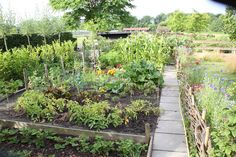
{"points": [[18, 40]]}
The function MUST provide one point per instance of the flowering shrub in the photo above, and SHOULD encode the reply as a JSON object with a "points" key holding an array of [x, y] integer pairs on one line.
{"points": [[195, 75], [221, 113]]}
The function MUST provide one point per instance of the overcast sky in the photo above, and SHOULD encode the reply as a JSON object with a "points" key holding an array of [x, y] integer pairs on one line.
{"points": [[34, 8]]}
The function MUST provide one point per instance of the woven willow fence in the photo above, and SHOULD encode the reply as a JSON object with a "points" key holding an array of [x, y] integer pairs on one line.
{"points": [[197, 120]]}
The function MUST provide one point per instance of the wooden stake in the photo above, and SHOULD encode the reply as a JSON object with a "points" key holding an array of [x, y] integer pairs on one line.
{"points": [[207, 137], [193, 101], [147, 132], [46, 75], [83, 57], [63, 67], [46, 71], [204, 114], [25, 79]]}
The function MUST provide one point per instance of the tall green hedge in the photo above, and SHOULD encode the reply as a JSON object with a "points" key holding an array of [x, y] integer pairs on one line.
{"points": [[18, 40]]}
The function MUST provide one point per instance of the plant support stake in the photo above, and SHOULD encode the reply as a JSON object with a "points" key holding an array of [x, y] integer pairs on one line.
{"points": [[147, 132], [25, 79], [63, 67]]}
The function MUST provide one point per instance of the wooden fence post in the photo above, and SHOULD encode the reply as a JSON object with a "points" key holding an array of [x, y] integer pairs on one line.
{"points": [[204, 114], [147, 132], [207, 137], [63, 67], [25, 79]]}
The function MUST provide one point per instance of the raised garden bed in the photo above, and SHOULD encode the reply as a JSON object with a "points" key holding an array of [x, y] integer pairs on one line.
{"points": [[34, 142]]}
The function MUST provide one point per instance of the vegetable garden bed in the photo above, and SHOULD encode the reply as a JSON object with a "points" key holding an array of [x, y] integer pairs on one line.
{"points": [[30, 142], [130, 118]]}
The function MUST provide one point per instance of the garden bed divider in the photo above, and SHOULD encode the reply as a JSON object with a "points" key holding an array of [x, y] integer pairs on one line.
{"points": [[4, 98]]}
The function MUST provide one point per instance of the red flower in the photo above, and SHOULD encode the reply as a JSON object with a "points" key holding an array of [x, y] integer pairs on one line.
{"points": [[197, 62], [118, 65]]}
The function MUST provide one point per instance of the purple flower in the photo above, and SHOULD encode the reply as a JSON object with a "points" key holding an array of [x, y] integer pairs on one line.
{"points": [[215, 75], [212, 86], [223, 79], [223, 90]]}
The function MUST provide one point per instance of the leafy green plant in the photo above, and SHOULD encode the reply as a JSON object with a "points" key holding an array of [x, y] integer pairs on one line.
{"points": [[7, 88], [39, 107], [232, 90], [140, 106], [115, 117], [224, 133], [102, 146], [143, 72], [112, 58], [84, 144], [128, 148], [95, 115]]}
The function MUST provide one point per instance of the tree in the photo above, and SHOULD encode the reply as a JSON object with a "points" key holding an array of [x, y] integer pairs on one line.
{"points": [[145, 21], [160, 18], [197, 22], [216, 24], [113, 12], [45, 27], [177, 21], [7, 26], [58, 26], [27, 28], [230, 22]]}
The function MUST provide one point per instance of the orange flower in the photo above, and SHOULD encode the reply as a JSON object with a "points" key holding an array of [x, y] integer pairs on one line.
{"points": [[111, 71]]}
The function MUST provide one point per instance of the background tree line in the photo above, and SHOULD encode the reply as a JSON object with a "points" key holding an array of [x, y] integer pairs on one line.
{"points": [[45, 26], [101, 15]]}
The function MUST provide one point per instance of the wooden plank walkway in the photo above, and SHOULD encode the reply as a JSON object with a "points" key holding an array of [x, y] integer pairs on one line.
{"points": [[169, 138]]}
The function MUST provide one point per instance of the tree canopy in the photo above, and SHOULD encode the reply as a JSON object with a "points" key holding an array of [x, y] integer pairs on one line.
{"points": [[230, 22], [114, 12], [177, 21]]}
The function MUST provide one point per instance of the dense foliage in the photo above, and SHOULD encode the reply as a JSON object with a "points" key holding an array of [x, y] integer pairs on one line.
{"points": [[138, 47], [181, 22], [12, 63], [230, 22], [18, 40], [103, 13]]}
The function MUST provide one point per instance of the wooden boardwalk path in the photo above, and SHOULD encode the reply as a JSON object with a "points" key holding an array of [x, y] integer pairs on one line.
{"points": [[169, 138]]}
